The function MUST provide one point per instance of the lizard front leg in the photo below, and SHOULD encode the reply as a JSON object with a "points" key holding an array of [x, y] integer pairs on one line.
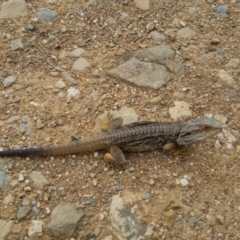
{"points": [[115, 156], [109, 123], [174, 149]]}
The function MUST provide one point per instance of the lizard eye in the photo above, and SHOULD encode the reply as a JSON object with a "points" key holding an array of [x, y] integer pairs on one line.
{"points": [[187, 134]]}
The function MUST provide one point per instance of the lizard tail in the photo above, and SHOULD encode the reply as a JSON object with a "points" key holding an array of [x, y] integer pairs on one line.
{"points": [[71, 148]]}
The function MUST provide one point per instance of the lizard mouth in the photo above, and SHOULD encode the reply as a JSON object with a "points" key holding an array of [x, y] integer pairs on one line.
{"points": [[191, 138]]}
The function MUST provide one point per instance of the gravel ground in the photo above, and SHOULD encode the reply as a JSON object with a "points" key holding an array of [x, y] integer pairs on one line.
{"points": [[37, 110]]}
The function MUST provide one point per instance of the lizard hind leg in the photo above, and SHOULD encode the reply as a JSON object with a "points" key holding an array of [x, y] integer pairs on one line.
{"points": [[115, 157], [109, 123], [174, 149]]}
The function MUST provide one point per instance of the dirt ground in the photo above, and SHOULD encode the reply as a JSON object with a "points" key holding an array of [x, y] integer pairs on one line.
{"points": [[213, 192]]}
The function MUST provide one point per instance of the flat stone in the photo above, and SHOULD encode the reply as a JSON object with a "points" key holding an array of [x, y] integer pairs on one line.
{"points": [[39, 180], [222, 10], [17, 44], [184, 182], [46, 14], [158, 37], [66, 76], [233, 62], [180, 110], [61, 226], [23, 212], [162, 55], [80, 64], [35, 229], [17, 228], [77, 52], [185, 33], [129, 224], [13, 9], [13, 119], [9, 81], [5, 227], [225, 77], [142, 74], [8, 199], [142, 4], [193, 10], [4, 178], [220, 118]]}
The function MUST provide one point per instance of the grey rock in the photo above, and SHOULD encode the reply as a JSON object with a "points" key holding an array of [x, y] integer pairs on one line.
{"points": [[46, 14], [23, 212], [39, 124], [62, 192], [180, 110], [10, 165], [25, 126], [61, 226], [80, 64], [9, 81], [163, 55], [8, 199], [222, 10], [142, 74], [226, 77], [146, 196], [233, 62], [90, 201], [125, 18], [17, 44], [185, 33], [111, 22], [127, 224], [221, 118], [13, 9], [39, 180], [142, 4], [93, 96], [35, 211], [193, 10], [66, 76], [30, 27], [221, 54], [6, 227], [158, 37], [96, 4], [13, 119], [77, 52], [35, 228], [25, 202], [192, 221]]}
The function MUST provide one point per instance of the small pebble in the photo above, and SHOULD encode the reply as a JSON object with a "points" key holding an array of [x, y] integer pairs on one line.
{"points": [[21, 177], [151, 182], [184, 182], [146, 196]]}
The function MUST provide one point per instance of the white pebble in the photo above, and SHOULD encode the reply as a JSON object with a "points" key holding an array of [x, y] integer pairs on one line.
{"points": [[21, 177], [184, 182]]}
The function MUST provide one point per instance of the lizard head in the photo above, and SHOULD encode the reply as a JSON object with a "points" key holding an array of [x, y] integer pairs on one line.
{"points": [[198, 130]]}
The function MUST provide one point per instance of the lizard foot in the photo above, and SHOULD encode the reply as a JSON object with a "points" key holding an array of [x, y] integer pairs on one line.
{"points": [[106, 121], [109, 123], [115, 157]]}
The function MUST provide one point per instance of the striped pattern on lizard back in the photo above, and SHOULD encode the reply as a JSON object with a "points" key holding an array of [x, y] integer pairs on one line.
{"points": [[144, 136]]}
